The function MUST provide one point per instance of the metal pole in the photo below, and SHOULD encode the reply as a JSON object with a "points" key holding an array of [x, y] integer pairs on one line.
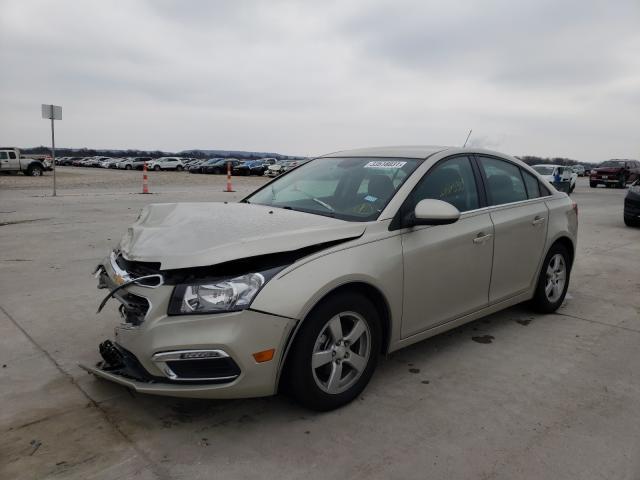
{"points": [[53, 152]]}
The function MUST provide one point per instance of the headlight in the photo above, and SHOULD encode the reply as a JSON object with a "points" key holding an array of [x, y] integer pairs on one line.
{"points": [[216, 296], [635, 189]]}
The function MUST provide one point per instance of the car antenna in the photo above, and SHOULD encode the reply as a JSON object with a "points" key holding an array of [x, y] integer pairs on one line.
{"points": [[465, 142]]}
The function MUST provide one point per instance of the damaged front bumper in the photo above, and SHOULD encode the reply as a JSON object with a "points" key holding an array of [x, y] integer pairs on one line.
{"points": [[206, 356]]}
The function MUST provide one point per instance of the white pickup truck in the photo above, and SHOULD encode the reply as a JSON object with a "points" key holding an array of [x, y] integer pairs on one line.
{"points": [[561, 177], [12, 161]]}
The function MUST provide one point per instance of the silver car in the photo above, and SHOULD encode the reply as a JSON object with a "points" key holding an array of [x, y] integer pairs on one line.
{"points": [[305, 283]]}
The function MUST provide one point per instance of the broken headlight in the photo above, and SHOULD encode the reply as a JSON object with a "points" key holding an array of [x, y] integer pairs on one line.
{"points": [[225, 295]]}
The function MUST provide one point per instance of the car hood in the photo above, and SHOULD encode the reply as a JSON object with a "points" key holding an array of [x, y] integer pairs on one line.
{"points": [[183, 235], [607, 169]]}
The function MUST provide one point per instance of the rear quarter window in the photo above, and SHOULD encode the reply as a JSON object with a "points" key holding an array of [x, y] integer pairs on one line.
{"points": [[532, 184]]}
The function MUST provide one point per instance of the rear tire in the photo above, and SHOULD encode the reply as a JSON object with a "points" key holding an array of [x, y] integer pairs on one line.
{"points": [[553, 280], [179, 168], [593, 184], [335, 352]]}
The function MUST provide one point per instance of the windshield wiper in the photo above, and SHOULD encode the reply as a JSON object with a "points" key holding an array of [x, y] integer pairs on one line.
{"points": [[304, 210], [317, 200], [324, 204]]}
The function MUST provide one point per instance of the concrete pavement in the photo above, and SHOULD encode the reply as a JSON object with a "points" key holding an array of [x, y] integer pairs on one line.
{"points": [[514, 395]]}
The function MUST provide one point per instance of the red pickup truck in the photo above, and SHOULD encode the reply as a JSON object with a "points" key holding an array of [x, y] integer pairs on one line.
{"points": [[617, 173]]}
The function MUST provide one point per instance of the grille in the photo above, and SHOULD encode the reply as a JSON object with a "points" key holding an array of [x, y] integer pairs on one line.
{"points": [[138, 269], [205, 368]]}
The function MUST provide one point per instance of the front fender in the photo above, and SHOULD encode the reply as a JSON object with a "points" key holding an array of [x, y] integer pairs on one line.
{"points": [[295, 291]]}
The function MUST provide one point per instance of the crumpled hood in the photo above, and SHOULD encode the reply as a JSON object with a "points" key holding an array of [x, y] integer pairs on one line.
{"points": [[182, 235]]}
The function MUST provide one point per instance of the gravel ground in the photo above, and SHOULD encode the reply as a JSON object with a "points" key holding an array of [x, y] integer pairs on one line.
{"points": [[75, 178]]}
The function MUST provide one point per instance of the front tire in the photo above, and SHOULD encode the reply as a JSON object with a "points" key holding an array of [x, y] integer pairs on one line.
{"points": [[631, 222], [335, 353], [553, 280], [593, 184], [128, 167], [156, 168]]}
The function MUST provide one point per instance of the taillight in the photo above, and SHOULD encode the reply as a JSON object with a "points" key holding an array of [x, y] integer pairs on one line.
{"points": [[574, 205]]}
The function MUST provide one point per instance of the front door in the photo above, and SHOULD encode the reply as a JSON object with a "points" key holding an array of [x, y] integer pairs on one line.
{"points": [[447, 268]]}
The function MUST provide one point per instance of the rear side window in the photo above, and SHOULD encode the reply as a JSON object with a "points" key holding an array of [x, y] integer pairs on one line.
{"points": [[3, 155], [504, 182], [531, 182], [452, 181]]}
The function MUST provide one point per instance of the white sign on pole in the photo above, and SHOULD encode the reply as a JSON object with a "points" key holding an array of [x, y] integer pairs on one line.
{"points": [[51, 112]]}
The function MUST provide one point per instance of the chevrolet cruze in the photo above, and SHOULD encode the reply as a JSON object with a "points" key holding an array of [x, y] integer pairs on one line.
{"points": [[306, 282]]}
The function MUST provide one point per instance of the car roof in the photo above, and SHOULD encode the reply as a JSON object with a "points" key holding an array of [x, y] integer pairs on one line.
{"points": [[407, 151]]}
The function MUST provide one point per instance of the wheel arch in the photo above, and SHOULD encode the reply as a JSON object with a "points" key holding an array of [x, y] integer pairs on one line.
{"points": [[568, 244], [35, 163], [367, 290]]}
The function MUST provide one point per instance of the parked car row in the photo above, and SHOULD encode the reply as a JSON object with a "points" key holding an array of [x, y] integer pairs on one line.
{"points": [[266, 166]]}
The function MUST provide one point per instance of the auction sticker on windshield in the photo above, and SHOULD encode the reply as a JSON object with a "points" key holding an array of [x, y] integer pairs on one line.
{"points": [[385, 164]]}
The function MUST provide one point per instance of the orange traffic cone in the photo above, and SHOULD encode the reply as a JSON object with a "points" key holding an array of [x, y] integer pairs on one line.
{"points": [[229, 186], [145, 182]]}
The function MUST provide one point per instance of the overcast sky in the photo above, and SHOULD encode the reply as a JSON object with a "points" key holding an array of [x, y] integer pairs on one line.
{"points": [[538, 77]]}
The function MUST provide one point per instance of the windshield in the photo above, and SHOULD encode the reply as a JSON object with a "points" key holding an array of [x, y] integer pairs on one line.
{"points": [[613, 163], [543, 169], [354, 189]]}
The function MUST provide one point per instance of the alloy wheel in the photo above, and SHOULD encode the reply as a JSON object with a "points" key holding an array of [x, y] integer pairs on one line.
{"points": [[556, 278], [341, 352]]}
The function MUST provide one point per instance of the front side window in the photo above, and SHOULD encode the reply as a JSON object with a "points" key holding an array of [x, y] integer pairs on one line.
{"points": [[451, 181], [354, 189], [12, 155], [504, 182]]}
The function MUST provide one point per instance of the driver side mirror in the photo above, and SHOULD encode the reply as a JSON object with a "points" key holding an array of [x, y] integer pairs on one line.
{"points": [[434, 212]]}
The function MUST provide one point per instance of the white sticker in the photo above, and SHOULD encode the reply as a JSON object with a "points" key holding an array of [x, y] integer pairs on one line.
{"points": [[370, 198], [385, 164]]}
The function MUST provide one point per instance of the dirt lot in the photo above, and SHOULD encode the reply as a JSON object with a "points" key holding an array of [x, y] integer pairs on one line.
{"points": [[515, 395]]}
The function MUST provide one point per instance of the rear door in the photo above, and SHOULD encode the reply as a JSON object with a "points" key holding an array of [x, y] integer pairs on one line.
{"points": [[447, 268], [520, 219]]}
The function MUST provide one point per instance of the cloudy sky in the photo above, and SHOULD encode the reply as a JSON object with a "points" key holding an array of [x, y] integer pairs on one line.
{"points": [[539, 77]]}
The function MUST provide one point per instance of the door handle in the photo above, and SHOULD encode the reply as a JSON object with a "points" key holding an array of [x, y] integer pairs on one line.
{"points": [[538, 220], [482, 237]]}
